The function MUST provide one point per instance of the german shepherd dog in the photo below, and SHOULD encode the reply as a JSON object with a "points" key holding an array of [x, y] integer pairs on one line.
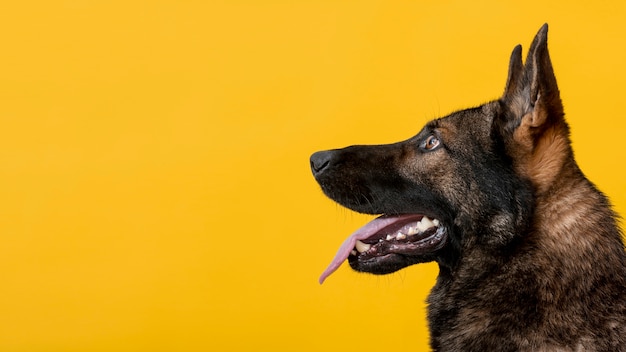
{"points": [[529, 251]]}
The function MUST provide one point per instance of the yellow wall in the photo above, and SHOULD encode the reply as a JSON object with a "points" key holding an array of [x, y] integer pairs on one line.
{"points": [[154, 185]]}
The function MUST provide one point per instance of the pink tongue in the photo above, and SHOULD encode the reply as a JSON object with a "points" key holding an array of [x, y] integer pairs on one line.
{"points": [[371, 228]]}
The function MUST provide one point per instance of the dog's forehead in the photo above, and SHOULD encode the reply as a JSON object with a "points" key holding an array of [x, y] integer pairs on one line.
{"points": [[469, 123]]}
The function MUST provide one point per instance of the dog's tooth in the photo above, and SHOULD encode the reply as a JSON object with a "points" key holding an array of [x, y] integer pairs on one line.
{"points": [[353, 252], [420, 226], [390, 237], [413, 230], [400, 236], [362, 247], [427, 222], [436, 222]]}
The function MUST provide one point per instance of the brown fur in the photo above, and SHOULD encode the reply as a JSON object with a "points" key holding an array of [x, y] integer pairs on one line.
{"points": [[533, 257]]}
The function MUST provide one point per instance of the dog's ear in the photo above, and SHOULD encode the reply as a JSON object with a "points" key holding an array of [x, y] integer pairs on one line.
{"points": [[516, 70], [531, 122], [531, 96]]}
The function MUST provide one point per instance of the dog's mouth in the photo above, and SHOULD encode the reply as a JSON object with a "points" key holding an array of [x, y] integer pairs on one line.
{"points": [[389, 243]]}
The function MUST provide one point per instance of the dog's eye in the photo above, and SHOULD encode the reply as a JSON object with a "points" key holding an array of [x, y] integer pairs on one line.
{"points": [[430, 143]]}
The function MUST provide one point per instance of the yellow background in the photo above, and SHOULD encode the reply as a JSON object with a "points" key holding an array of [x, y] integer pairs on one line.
{"points": [[155, 192]]}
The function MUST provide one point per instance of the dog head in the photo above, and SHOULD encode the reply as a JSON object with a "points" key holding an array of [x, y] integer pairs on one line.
{"points": [[465, 182]]}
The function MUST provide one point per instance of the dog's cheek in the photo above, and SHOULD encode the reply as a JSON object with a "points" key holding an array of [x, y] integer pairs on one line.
{"points": [[431, 169], [438, 174]]}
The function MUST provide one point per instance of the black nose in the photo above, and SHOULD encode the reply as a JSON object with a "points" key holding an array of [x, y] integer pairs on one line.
{"points": [[320, 161]]}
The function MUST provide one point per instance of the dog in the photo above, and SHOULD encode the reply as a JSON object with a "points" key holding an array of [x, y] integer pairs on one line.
{"points": [[529, 251]]}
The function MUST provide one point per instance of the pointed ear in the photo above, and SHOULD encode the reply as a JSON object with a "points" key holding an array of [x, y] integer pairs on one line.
{"points": [[531, 95], [515, 73]]}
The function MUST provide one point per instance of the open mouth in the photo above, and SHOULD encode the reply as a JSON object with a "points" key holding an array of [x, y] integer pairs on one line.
{"points": [[388, 239]]}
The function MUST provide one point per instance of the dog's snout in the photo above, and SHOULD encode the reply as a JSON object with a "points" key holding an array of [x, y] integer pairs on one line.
{"points": [[320, 161]]}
